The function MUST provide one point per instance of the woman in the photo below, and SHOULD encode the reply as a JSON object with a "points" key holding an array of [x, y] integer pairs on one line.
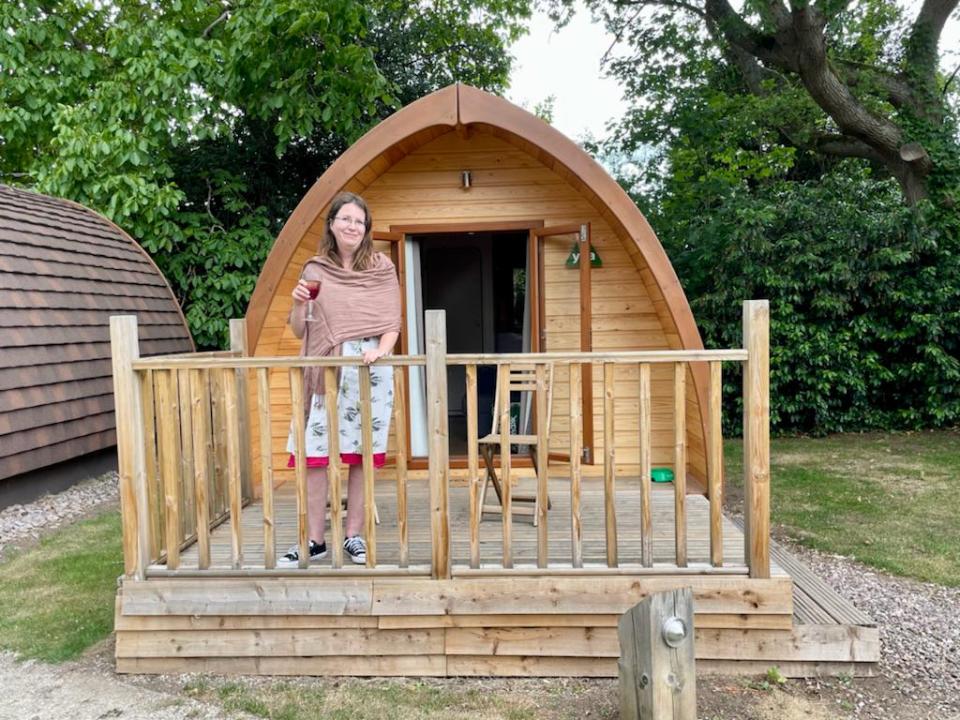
{"points": [[356, 312]]}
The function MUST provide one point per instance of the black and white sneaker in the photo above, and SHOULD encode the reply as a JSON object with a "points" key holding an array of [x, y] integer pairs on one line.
{"points": [[357, 549], [292, 558]]}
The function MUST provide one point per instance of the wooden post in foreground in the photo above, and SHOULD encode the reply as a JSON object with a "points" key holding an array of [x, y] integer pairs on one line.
{"points": [[131, 458], [238, 343], [658, 678], [438, 443], [756, 437]]}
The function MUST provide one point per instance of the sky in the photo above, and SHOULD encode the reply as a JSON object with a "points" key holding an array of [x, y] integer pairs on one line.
{"points": [[566, 64]]}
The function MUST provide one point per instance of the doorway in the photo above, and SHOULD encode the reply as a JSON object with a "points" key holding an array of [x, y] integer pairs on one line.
{"points": [[480, 279]]}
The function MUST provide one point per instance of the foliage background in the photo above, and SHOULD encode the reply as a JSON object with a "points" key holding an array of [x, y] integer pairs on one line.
{"points": [[197, 126], [864, 288]]}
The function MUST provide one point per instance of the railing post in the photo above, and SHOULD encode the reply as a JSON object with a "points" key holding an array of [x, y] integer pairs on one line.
{"points": [[439, 449], [238, 343], [756, 437], [131, 460]]}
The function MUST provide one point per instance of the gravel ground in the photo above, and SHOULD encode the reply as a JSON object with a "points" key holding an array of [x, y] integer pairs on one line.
{"points": [[35, 691], [22, 524], [919, 629]]}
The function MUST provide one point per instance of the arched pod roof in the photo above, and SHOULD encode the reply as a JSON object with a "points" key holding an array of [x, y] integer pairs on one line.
{"points": [[64, 270], [465, 108], [462, 106]]}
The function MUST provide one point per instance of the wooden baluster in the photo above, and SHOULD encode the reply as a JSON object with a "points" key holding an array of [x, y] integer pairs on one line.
{"points": [[680, 462], [715, 464], [207, 389], [153, 485], [576, 452], [646, 513], [366, 435], [543, 498], [219, 413], [334, 467], [473, 477], [200, 411], [134, 503], [609, 465], [400, 437], [188, 503], [169, 463], [756, 437], [503, 391], [238, 343], [234, 472], [266, 468], [439, 442], [300, 457]]}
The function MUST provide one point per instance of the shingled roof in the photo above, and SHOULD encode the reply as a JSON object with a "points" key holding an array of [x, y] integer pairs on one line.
{"points": [[64, 270]]}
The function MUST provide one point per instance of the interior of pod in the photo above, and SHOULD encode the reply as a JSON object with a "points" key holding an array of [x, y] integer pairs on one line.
{"points": [[482, 207]]}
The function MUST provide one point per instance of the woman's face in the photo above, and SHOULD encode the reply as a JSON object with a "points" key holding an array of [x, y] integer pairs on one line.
{"points": [[349, 227]]}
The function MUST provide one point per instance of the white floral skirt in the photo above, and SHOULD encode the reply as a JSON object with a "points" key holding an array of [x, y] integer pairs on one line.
{"points": [[348, 410]]}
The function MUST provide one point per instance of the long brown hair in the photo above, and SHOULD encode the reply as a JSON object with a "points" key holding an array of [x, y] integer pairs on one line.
{"points": [[328, 244]]}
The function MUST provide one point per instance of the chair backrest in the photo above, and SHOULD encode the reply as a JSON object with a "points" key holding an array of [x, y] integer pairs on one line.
{"points": [[523, 379]]}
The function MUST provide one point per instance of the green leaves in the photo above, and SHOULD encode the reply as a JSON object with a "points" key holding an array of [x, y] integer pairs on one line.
{"points": [[197, 126]]}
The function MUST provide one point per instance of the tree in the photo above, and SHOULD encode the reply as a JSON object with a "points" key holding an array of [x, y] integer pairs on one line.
{"points": [[870, 75], [197, 125], [734, 176]]}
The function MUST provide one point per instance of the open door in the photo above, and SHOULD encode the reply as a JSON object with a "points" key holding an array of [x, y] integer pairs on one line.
{"points": [[561, 251], [399, 261], [398, 256]]}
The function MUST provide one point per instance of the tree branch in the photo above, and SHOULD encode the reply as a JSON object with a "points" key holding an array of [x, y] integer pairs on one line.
{"points": [[740, 33], [897, 90], [844, 146], [223, 16], [921, 44]]}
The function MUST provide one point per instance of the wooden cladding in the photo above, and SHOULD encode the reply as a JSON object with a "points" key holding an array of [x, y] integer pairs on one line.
{"points": [[412, 188], [184, 467], [64, 270]]}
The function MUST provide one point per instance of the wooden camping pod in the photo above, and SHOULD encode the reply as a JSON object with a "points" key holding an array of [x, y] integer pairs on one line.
{"points": [[526, 177], [64, 270]]}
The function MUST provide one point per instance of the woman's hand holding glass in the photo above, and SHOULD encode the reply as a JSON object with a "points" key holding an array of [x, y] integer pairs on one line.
{"points": [[307, 291]]}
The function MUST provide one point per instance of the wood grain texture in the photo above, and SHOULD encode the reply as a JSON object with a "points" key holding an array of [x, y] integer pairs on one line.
{"points": [[715, 464], [438, 439], [412, 186], [756, 436]]}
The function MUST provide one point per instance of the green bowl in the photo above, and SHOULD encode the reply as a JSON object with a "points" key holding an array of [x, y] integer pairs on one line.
{"points": [[659, 475]]}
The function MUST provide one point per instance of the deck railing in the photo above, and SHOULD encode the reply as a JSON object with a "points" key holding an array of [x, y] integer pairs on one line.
{"points": [[184, 451]]}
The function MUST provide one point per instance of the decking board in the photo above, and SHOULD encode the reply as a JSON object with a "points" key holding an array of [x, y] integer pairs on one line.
{"points": [[524, 534], [556, 621]]}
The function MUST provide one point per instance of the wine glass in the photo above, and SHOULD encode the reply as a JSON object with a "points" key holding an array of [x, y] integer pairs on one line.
{"points": [[313, 287]]}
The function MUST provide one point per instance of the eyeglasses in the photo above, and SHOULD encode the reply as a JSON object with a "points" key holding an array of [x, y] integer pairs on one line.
{"points": [[348, 222]]}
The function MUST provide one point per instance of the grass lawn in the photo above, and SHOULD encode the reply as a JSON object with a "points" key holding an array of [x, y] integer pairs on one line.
{"points": [[359, 699], [56, 600], [886, 499]]}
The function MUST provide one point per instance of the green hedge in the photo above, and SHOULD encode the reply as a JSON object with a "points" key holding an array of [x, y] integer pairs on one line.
{"points": [[864, 299]]}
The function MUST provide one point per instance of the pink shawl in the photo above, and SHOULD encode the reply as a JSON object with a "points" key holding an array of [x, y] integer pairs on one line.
{"points": [[351, 305]]}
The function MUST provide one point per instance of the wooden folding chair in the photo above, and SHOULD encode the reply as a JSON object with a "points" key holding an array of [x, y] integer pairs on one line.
{"points": [[522, 379]]}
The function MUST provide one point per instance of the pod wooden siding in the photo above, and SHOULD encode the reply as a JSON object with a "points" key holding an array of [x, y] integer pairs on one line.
{"points": [[525, 174], [64, 270]]}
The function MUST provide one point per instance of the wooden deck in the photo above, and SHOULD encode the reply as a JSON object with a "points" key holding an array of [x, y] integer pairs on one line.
{"points": [[524, 621], [491, 546]]}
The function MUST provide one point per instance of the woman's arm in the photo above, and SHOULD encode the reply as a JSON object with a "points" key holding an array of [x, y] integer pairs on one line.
{"points": [[299, 310], [387, 341]]}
